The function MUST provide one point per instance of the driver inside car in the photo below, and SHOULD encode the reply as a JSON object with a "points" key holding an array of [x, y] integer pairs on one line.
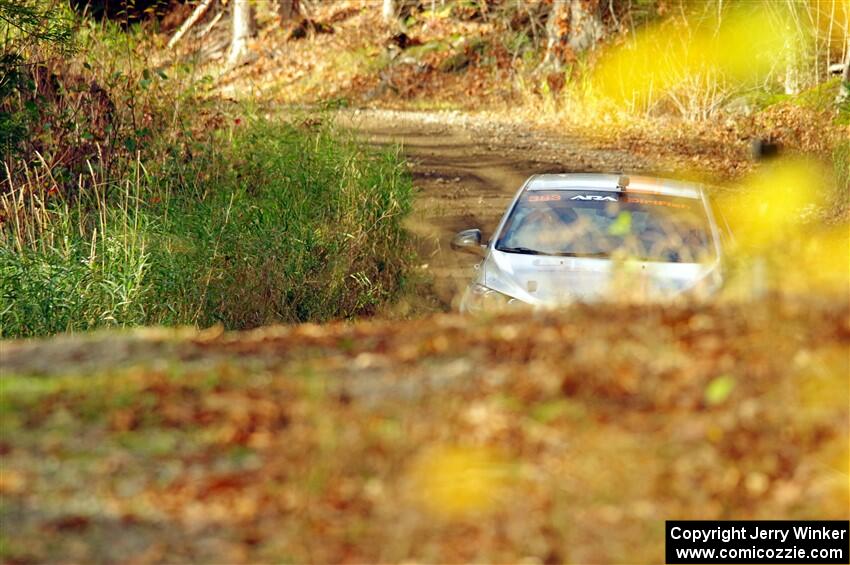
{"points": [[541, 230], [554, 230]]}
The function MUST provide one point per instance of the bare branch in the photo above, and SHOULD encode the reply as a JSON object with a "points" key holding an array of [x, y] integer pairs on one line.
{"points": [[197, 14]]}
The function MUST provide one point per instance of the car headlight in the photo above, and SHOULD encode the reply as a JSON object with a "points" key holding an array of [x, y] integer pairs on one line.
{"points": [[480, 298]]}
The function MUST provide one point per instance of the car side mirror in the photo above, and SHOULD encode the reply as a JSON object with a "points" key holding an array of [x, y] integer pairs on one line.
{"points": [[468, 241]]}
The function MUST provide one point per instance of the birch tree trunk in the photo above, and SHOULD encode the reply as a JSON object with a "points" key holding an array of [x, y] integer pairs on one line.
{"points": [[389, 11], [585, 25], [574, 25], [243, 28], [557, 26]]}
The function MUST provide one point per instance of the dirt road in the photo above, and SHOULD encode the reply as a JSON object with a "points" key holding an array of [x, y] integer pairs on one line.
{"points": [[466, 169]]}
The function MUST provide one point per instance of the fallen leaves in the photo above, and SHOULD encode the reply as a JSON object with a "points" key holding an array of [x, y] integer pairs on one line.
{"points": [[390, 441]]}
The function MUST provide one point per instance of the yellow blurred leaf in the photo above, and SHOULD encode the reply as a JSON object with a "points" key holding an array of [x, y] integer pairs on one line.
{"points": [[737, 48], [752, 38], [719, 389], [771, 205], [452, 481]]}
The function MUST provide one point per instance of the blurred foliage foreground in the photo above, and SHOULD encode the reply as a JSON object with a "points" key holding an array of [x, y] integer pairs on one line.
{"points": [[554, 437]]}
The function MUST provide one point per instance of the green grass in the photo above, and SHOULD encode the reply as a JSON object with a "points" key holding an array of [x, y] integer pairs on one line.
{"points": [[274, 222], [841, 160], [302, 225]]}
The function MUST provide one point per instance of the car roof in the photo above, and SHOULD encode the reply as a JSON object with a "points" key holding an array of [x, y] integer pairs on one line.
{"points": [[610, 183]]}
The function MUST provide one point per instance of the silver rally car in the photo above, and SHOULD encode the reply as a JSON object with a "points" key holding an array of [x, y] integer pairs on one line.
{"points": [[594, 237]]}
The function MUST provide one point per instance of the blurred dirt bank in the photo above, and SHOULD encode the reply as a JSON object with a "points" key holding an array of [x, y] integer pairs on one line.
{"points": [[548, 438]]}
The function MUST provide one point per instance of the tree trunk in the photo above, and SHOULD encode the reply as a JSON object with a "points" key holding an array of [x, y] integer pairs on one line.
{"points": [[585, 25], [288, 9], [572, 26], [243, 28], [389, 11], [557, 28]]}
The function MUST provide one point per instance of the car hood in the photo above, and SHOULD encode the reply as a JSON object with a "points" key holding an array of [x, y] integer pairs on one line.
{"points": [[546, 280]]}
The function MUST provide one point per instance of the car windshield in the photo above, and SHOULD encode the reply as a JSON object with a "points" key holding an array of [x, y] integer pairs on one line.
{"points": [[648, 227]]}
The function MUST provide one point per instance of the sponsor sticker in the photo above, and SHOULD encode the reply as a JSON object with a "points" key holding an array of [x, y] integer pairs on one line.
{"points": [[543, 197], [594, 197], [650, 202]]}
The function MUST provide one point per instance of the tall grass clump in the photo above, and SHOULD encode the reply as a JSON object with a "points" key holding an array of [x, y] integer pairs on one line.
{"points": [[277, 222], [296, 224], [72, 264]]}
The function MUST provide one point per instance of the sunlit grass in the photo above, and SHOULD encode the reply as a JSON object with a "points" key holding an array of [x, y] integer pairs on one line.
{"points": [[698, 60]]}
